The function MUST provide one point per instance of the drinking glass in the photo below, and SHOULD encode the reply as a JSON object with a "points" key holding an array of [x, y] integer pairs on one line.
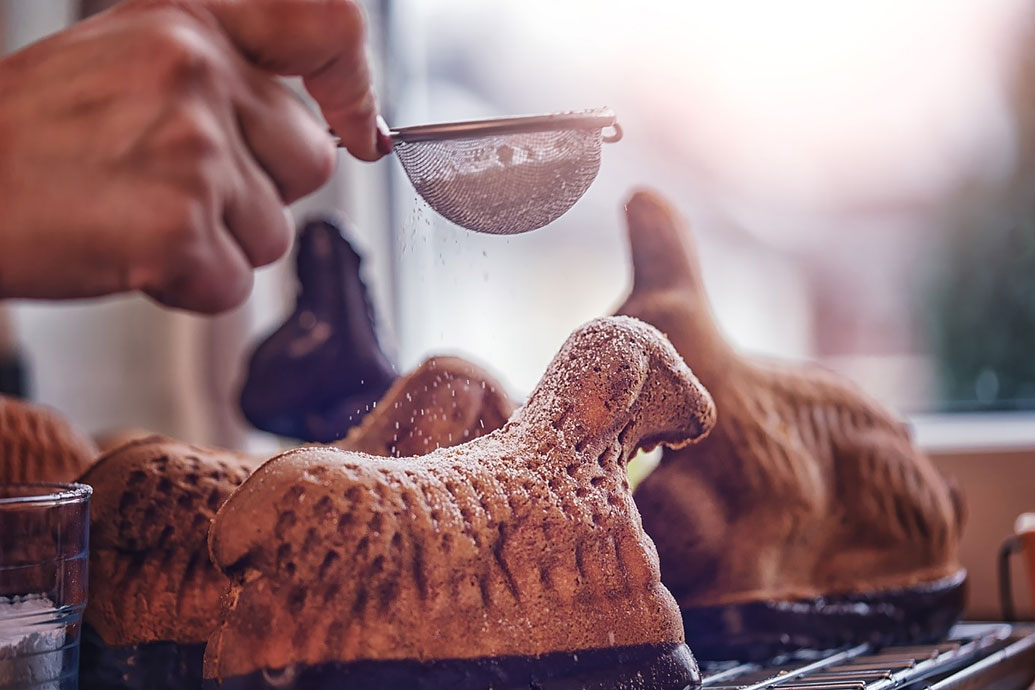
{"points": [[44, 539]]}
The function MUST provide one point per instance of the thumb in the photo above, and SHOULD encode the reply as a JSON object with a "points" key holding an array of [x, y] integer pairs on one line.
{"points": [[322, 41]]}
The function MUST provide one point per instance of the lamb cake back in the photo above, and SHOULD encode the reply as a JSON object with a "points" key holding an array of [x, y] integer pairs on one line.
{"points": [[514, 560], [154, 592], [807, 518]]}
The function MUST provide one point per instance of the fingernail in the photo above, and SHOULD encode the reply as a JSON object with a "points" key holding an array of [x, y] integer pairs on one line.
{"points": [[384, 137]]}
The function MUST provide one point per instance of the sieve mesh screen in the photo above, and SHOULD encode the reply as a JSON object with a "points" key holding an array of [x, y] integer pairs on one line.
{"points": [[504, 184]]}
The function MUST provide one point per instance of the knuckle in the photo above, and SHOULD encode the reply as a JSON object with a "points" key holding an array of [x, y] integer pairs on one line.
{"points": [[171, 240], [179, 232], [193, 134], [265, 236], [325, 160], [345, 18], [273, 247], [184, 59], [341, 21], [318, 163], [221, 292]]}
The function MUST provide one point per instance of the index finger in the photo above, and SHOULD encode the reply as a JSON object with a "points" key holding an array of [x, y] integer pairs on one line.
{"points": [[324, 42]]}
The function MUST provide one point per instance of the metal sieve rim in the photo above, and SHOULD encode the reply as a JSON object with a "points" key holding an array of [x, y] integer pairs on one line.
{"points": [[597, 118]]}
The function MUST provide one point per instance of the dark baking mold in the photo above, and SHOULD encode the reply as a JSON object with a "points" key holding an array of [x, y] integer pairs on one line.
{"points": [[761, 630], [641, 667], [151, 666]]}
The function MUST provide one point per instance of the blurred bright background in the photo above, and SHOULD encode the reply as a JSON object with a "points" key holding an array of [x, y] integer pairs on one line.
{"points": [[859, 178]]}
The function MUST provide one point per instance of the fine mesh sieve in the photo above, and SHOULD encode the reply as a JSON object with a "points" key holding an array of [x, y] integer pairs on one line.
{"points": [[507, 175]]}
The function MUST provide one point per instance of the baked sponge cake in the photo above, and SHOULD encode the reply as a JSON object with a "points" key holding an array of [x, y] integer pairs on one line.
{"points": [[514, 560], [154, 592], [39, 445], [807, 518]]}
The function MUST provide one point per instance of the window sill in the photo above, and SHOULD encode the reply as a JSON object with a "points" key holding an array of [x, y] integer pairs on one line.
{"points": [[998, 431]]}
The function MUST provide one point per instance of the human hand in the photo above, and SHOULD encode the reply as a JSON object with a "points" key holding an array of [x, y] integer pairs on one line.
{"points": [[151, 148]]}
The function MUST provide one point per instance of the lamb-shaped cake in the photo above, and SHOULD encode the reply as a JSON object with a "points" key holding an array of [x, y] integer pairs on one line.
{"points": [[513, 560], [154, 592], [39, 445], [807, 518]]}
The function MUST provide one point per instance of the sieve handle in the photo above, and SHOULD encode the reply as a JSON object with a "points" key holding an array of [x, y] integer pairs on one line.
{"points": [[586, 119], [600, 118]]}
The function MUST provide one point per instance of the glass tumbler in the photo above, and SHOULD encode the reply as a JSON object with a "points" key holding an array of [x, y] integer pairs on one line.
{"points": [[44, 538]]}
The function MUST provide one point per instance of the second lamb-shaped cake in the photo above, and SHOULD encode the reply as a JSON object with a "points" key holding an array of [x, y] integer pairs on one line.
{"points": [[807, 518], [514, 560]]}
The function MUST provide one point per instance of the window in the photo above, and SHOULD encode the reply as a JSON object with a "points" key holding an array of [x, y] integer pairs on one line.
{"points": [[858, 177]]}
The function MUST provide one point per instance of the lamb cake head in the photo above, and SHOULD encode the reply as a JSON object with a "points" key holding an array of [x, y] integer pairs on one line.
{"points": [[154, 592], [39, 445], [515, 559], [807, 491]]}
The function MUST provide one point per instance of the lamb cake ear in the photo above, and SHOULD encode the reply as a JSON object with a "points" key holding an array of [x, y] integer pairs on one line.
{"points": [[514, 559], [443, 402], [39, 445], [668, 289], [807, 492]]}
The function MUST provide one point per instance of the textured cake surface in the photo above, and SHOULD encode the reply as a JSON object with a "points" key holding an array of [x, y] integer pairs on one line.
{"points": [[443, 402], [522, 542], [150, 575], [39, 445], [805, 487]]}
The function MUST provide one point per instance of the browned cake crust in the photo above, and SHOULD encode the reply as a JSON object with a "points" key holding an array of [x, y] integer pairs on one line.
{"points": [[521, 542], [443, 402], [39, 445], [154, 497], [150, 575], [805, 487], [111, 439]]}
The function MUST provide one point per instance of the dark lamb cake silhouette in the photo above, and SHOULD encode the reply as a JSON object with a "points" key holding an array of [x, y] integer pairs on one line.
{"points": [[318, 374]]}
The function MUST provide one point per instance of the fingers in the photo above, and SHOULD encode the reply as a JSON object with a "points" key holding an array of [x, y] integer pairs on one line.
{"points": [[322, 41], [348, 104], [255, 215], [287, 140], [215, 277]]}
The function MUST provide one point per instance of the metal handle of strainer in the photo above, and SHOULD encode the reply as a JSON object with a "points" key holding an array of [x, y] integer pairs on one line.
{"points": [[599, 118]]}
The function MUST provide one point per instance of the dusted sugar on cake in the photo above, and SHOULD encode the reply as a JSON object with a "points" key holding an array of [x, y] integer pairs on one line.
{"points": [[496, 553]]}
